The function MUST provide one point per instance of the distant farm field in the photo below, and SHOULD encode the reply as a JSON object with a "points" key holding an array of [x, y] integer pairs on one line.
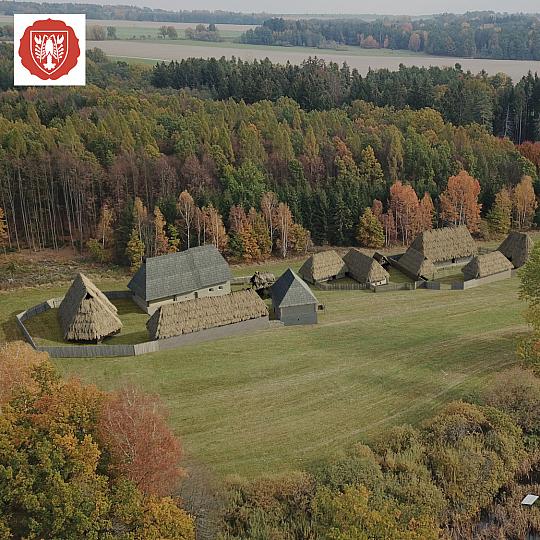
{"points": [[284, 398], [361, 59]]}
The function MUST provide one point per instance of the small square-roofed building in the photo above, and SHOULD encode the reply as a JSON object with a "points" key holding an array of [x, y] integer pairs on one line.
{"points": [[293, 301], [198, 272]]}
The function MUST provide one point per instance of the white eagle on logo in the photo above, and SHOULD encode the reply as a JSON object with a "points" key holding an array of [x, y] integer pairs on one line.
{"points": [[49, 50]]}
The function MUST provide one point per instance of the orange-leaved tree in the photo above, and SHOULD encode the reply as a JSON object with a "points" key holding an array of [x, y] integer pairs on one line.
{"points": [[459, 201], [64, 473]]}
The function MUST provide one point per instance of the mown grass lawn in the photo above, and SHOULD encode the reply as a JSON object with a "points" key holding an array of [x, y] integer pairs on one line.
{"points": [[284, 398]]}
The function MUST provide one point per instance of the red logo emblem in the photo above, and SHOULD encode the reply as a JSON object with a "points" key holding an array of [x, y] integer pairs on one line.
{"points": [[49, 49]]}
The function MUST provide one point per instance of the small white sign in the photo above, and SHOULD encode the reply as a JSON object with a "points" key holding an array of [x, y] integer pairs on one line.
{"points": [[49, 50], [529, 500]]}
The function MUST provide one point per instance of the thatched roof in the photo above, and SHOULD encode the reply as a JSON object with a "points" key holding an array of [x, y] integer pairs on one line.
{"points": [[439, 245], [486, 265], [86, 314], [290, 290], [203, 313], [363, 268], [180, 273], [323, 266], [262, 280], [517, 248], [416, 265]]}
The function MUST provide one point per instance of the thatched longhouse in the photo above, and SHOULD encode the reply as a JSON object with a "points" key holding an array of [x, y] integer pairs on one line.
{"points": [[86, 314], [293, 301], [445, 246], [413, 264], [517, 248], [435, 249], [485, 265], [172, 320], [323, 266], [195, 273], [365, 269]]}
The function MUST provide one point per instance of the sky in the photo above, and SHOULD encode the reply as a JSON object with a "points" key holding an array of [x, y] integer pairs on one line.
{"points": [[391, 7]]}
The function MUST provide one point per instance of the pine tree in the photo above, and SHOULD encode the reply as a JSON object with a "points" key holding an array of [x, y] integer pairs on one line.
{"points": [[320, 218], [370, 231], [135, 249], [371, 172], [340, 221], [500, 215]]}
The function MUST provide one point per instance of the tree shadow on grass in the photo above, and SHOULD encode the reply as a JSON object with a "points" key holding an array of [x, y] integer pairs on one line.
{"points": [[10, 327], [134, 323]]}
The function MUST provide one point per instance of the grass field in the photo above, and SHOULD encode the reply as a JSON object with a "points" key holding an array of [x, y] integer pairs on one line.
{"points": [[283, 398]]}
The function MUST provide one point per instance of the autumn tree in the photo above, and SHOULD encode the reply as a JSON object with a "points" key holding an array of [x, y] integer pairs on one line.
{"points": [[459, 202], [370, 231], [524, 203], [299, 239], [237, 219], [250, 248], [66, 467], [284, 221], [140, 219], [135, 249], [187, 210], [161, 242], [100, 245], [133, 427], [104, 229], [214, 228], [389, 226], [242, 241], [260, 232], [500, 215], [404, 205], [353, 514], [426, 213]]}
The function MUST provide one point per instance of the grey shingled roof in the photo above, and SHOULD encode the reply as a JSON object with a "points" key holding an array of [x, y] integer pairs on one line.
{"points": [[290, 290], [180, 273]]}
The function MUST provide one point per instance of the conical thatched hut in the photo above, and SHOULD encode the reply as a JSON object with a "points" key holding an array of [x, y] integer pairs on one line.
{"points": [[203, 313], [486, 265], [446, 246], [517, 248], [86, 314], [415, 265], [365, 269], [323, 266]]}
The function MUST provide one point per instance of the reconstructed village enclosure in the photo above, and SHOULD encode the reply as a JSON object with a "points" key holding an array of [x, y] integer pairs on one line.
{"points": [[189, 298]]}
